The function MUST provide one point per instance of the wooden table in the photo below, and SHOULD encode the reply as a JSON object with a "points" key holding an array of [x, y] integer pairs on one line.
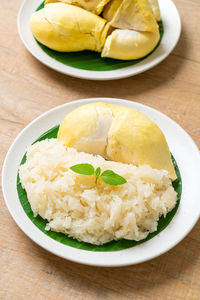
{"points": [[27, 89]]}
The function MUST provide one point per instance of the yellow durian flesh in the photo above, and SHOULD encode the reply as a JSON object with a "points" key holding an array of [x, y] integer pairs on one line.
{"points": [[86, 128], [110, 9], [117, 133], [155, 8], [129, 44], [132, 14], [95, 6], [63, 27], [134, 138]]}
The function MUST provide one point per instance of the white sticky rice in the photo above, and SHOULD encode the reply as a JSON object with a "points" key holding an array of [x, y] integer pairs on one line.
{"points": [[89, 212]]}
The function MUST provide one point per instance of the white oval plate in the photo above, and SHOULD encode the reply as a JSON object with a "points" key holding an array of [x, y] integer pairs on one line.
{"points": [[172, 27], [182, 147]]}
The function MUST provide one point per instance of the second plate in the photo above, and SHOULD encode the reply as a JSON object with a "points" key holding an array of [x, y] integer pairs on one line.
{"points": [[99, 68]]}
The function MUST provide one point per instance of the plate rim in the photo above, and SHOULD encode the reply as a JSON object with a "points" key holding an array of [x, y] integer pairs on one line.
{"points": [[121, 252], [101, 75]]}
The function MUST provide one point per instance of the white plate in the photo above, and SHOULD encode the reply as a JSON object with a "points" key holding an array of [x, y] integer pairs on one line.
{"points": [[172, 27], [182, 147]]}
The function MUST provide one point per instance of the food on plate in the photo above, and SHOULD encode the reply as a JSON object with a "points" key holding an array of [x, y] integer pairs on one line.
{"points": [[68, 25], [155, 8], [131, 14], [114, 8], [111, 8], [108, 176], [117, 133], [67, 28], [129, 44], [95, 6], [94, 212]]}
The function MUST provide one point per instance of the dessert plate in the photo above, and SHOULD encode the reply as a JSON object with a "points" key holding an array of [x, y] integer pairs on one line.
{"points": [[184, 151], [88, 64]]}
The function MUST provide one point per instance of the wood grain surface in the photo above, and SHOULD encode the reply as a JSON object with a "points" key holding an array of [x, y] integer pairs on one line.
{"points": [[27, 89]]}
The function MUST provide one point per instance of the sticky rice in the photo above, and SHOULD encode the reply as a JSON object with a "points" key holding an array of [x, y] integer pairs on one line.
{"points": [[89, 212]]}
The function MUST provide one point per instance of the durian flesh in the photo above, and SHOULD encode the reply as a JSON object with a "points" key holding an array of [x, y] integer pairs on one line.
{"points": [[67, 28], [155, 8], [95, 6], [63, 27], [129, 44], [117, 133], [131, 14]]}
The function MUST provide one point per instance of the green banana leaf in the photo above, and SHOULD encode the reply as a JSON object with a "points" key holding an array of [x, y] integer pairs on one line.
{"points": [[111, 246], [90, 60]]}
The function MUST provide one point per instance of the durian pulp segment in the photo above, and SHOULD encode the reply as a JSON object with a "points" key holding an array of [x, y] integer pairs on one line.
{"points": [[127, 44], [134, 138], [94, 6], [67, 28], [132, 14], [117, 133], [110, 9], [155, 8], [86, 128]]}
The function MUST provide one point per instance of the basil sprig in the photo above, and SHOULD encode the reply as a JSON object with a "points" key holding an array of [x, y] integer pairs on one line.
{"points": [[107, 176]]}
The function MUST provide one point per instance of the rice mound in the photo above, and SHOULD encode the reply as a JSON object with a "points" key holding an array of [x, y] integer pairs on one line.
{"points": [[89, 212]]}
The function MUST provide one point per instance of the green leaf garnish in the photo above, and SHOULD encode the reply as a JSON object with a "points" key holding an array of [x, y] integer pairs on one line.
{"points": [[112, 178], [84, 169], [107, 176]]}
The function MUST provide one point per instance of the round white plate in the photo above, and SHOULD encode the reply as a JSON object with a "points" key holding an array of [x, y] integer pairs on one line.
{"points": [[172, 29], [182, 147]]}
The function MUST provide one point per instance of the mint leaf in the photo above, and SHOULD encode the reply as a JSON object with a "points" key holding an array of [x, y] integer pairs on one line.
{"points": [[107, 176], [112, 178], [84, 169]]}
